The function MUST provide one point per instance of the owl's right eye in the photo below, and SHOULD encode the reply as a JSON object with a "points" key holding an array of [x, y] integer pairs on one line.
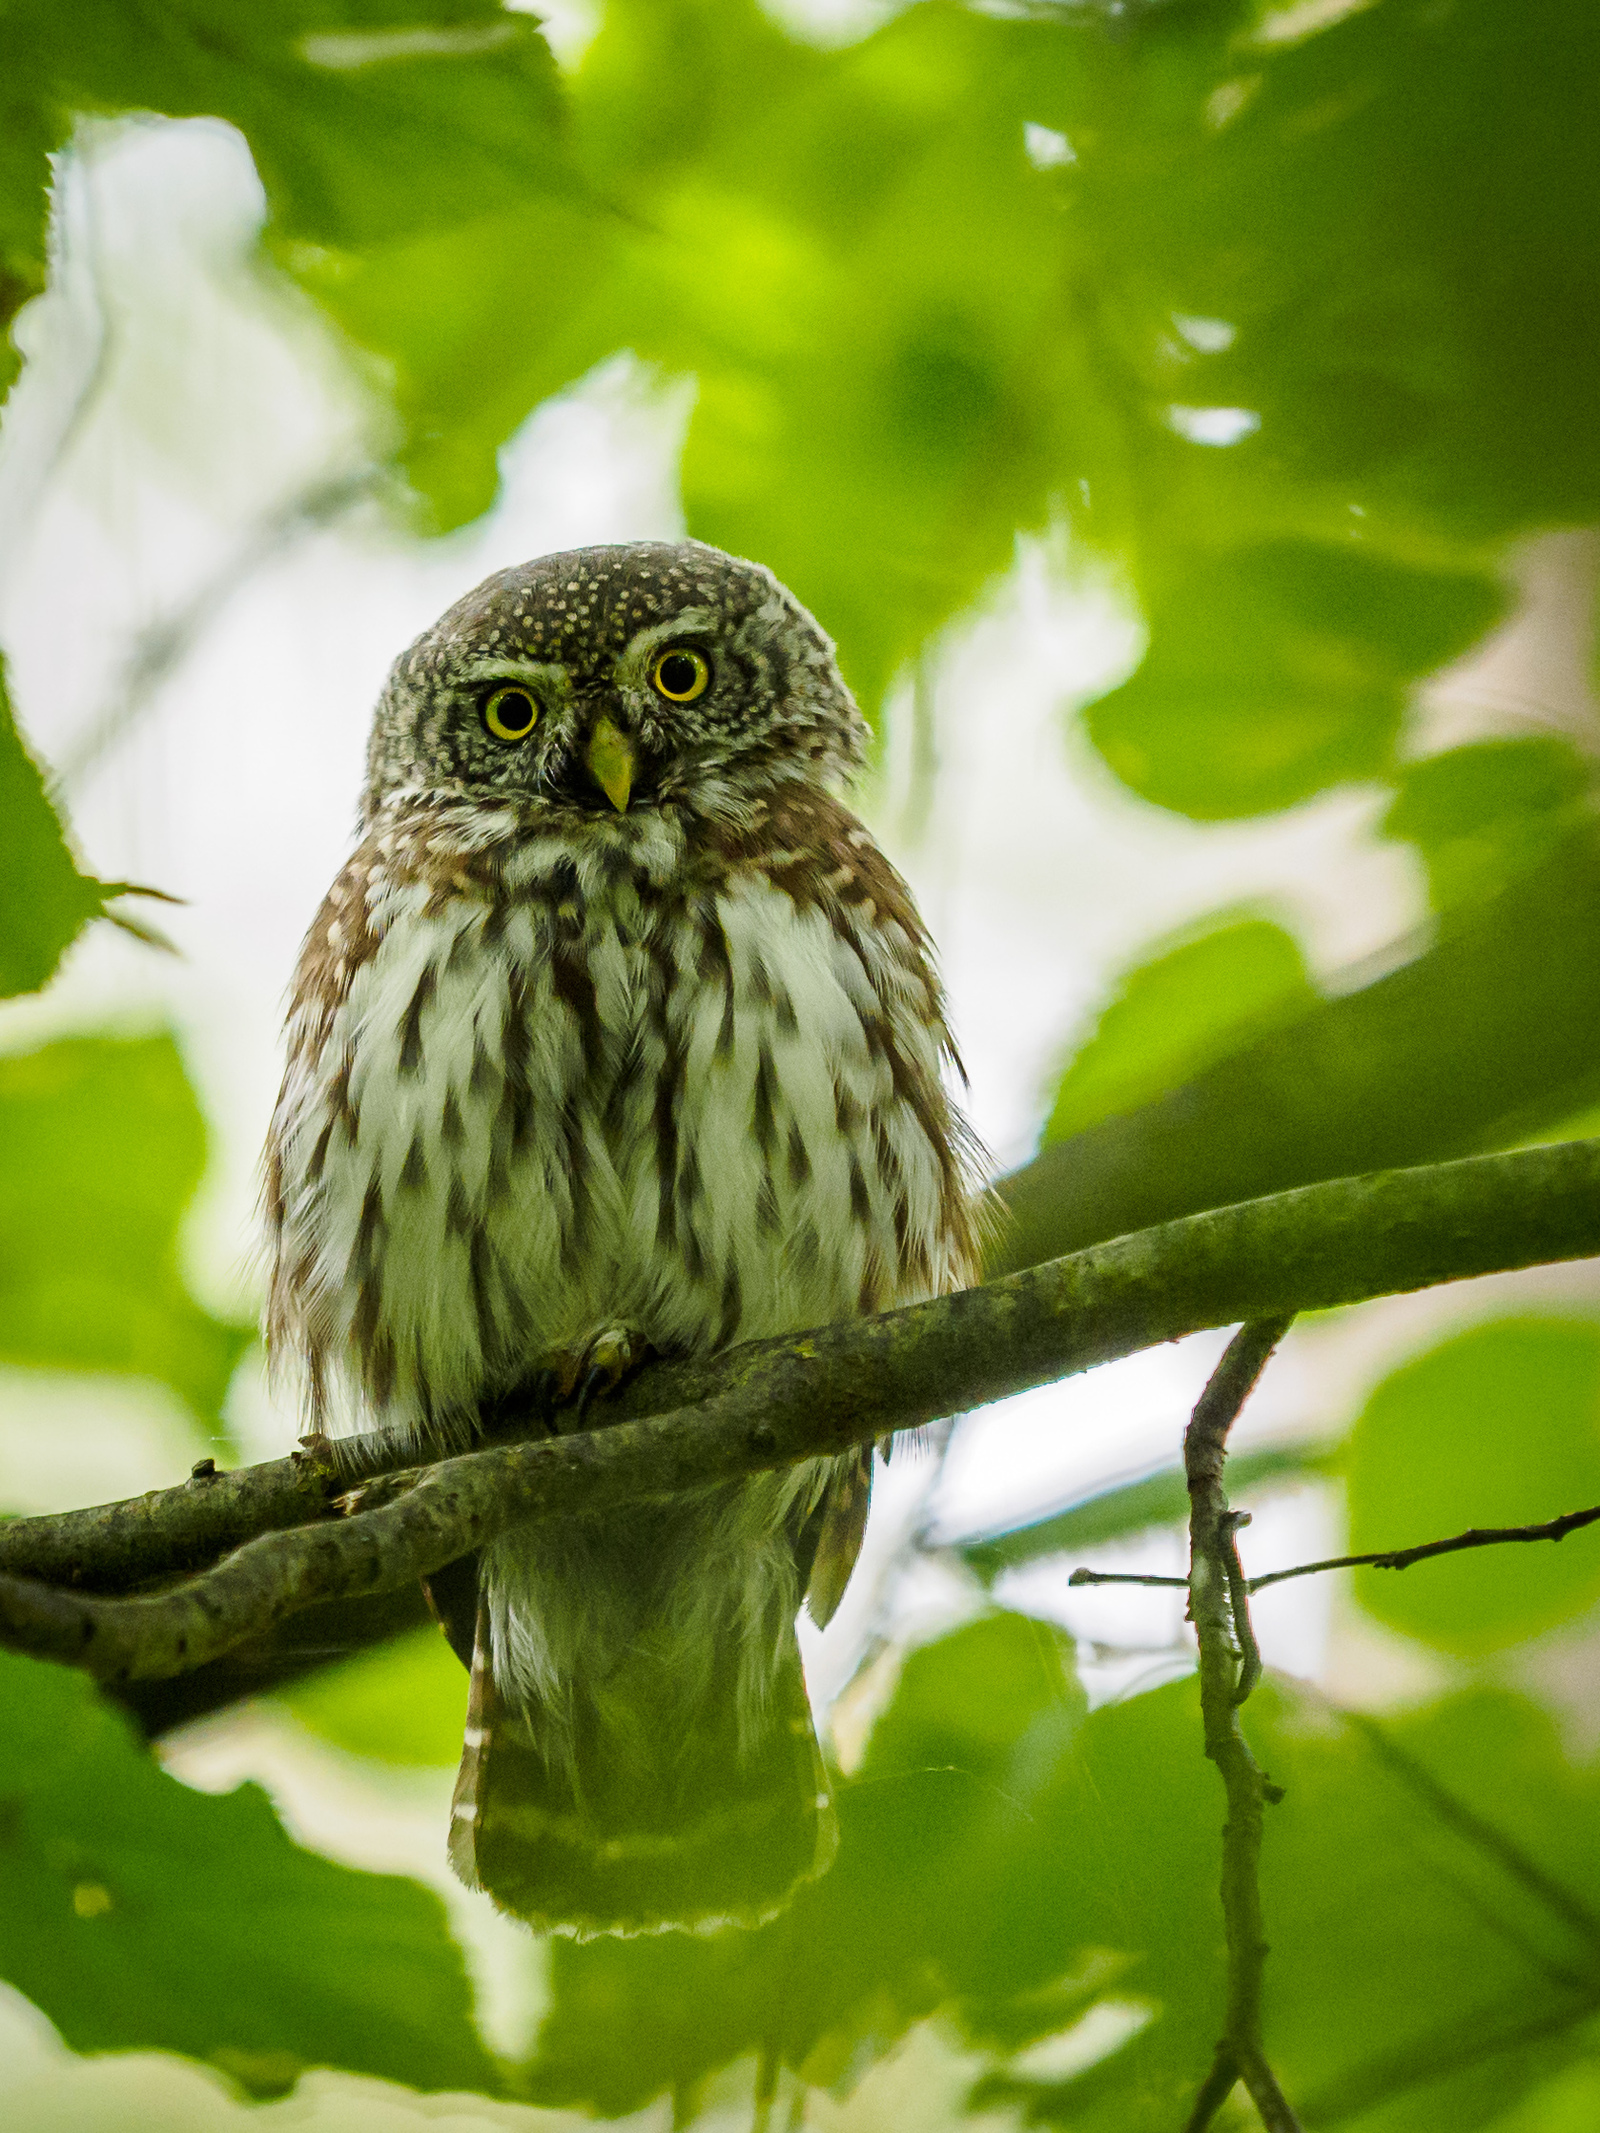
{"points": [[510, 714]]}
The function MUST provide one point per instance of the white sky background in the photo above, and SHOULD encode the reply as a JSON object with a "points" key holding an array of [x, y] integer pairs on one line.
{"points": [[218, 396]]}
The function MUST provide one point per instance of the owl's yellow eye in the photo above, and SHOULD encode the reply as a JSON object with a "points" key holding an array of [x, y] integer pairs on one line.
{"points": [[680, 675], [510, 714]]}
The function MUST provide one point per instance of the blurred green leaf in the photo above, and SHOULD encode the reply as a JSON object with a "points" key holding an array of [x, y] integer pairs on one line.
{"points": [[850, 252], [1129, 1507], [101, 1149], [1276, 322], [1012, 1864], [1498, 1426], [142, 1916], [27, 136], [1569, 2104], [1179, 1013], [1418, 1977], [1279, 670], [1483, 814], [1314, 245], [44, 901], [1483, 1039], [909, 341], [405, 1702], [367, 118], [940, 1887]]}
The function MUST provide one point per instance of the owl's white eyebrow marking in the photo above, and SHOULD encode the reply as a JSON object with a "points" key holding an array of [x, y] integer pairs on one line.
{"points": [[500, 666], [687, 622]]}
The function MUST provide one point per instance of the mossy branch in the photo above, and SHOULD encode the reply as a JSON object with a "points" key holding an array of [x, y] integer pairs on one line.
{"points": [[763, 1406]]}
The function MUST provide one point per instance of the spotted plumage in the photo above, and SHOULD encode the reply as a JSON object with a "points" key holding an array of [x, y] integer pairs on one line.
{"points": [[620, 1034]]}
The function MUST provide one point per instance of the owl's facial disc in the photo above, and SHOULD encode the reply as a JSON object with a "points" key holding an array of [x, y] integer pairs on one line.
{"points": [[605, 681]]}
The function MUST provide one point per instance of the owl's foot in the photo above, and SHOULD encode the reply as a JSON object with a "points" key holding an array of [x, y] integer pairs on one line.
{"points": [[596, 1369], [559, 1391]]}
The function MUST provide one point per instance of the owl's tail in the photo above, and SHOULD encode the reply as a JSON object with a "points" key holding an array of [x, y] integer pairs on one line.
{"points": [[647, 1815]]}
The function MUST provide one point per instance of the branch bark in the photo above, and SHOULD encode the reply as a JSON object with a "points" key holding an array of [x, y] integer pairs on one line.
{"points": [[1229, 1666], [764, 1406]]}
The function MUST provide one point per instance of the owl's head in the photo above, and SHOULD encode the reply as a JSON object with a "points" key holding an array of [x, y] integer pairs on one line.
{"points": [[651, 674]]}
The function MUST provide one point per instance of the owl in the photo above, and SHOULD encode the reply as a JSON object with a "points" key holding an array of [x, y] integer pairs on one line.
{"points": [[616, 1036]]}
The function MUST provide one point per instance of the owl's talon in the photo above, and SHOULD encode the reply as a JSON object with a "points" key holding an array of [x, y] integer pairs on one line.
{"points": [[599, 1368]]}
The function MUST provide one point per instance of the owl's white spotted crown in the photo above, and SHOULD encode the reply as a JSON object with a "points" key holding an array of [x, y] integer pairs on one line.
{"points": [[578, 632]]}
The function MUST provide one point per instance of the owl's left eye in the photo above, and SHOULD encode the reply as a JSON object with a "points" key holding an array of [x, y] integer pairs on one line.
{"points": [[680, 674], [510, 714]]}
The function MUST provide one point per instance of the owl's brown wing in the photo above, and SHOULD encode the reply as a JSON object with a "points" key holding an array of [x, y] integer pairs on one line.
{"points": [[452, 1597], [830, 1540]]}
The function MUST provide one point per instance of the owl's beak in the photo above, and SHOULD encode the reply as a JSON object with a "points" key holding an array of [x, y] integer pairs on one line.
{"points": [[611, 763]]}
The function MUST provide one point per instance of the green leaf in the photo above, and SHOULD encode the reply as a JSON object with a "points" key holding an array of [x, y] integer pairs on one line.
{"points": [[44, 901], [101, 1149], [1130, 1507], [909, 342], [1483, 814], [1315, 235], [938, 1888], [1569, 2104], [27, 136], [1280, 670], [1010, 1866], [142, 1916], [1177, 1014], [367, 121], [1429, 1887], [405, 1702], [848, 250], [1499, 1426], [1490, 1035]]}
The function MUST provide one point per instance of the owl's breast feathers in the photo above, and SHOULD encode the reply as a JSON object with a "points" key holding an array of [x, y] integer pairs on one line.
{"points": [[553, 1073], [549, 1072]]}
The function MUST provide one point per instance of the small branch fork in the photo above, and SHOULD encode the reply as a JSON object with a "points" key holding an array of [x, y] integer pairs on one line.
{"points": [[1230, 1666]]}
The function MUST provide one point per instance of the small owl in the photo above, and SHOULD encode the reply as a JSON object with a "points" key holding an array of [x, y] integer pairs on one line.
{"points": [[617, 1034]]}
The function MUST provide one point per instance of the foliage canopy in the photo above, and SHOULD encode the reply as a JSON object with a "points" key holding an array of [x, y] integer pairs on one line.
{"points": [[1288, 318]]}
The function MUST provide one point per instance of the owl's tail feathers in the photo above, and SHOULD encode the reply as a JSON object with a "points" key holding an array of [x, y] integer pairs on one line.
{"points": [[654, 1820]]}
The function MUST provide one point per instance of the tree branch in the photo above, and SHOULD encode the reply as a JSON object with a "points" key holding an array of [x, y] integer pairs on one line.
{"points": [[1228, 1671], [764, 1406]]}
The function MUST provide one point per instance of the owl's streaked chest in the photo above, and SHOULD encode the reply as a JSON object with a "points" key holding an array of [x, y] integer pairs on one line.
{"points": [[614, 1087]]}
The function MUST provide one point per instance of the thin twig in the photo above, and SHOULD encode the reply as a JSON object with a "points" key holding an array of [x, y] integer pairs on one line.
{"points": [[1217, 1608], [1553, 1529]]}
